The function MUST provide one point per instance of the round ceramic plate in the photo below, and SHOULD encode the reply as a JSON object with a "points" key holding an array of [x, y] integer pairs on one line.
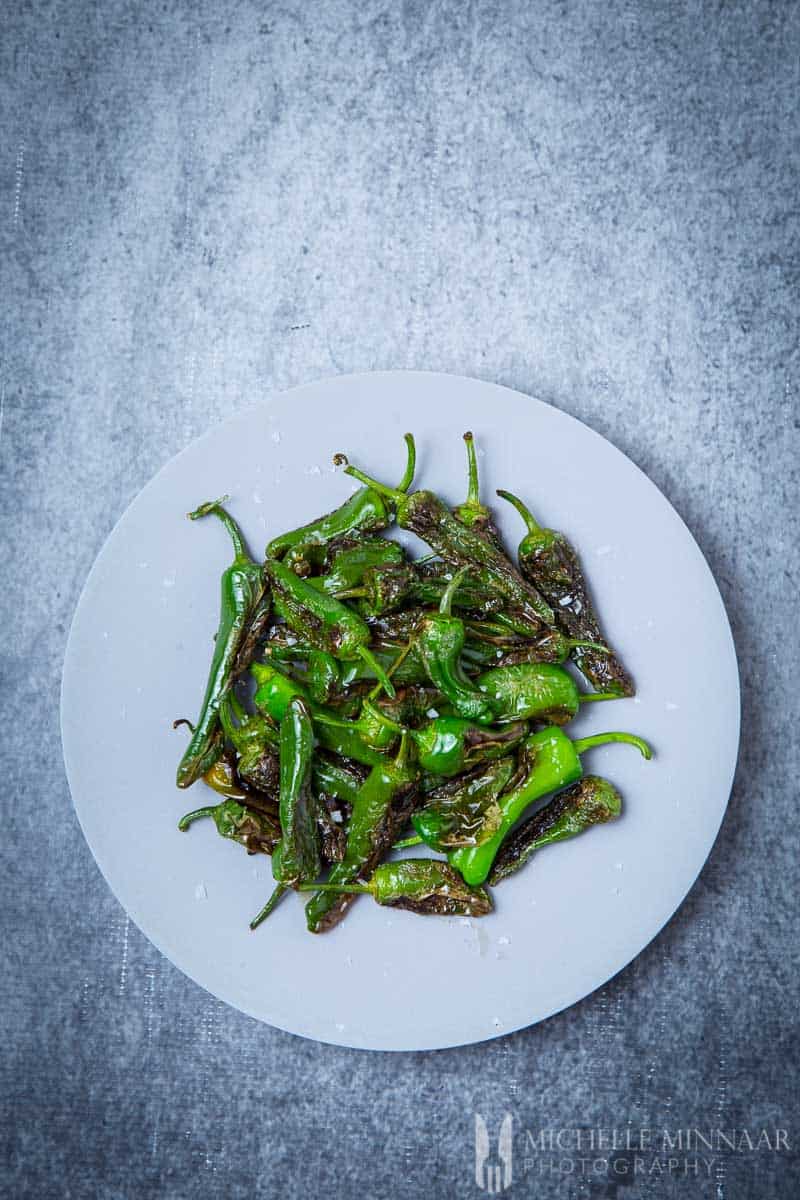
{"points": [[138, 655]]}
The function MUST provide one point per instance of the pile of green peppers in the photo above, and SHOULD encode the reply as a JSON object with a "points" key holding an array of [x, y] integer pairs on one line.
{"points": [[360, 702]]}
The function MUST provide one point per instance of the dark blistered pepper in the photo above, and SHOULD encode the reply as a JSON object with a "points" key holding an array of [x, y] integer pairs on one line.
{"points": [[441, 640], [464, 811], [448, 745], [373, 726], [297, 857], [534, 691], [472, 513], [384, 589], [322, 676], [420, 885], [590, 801], [255, 741], [321, 620], [336, 778], [256, 831], [365, 510], [242, 593], [550, 563], [551, 647], [426, 515], [554, 763], [380, 811]]}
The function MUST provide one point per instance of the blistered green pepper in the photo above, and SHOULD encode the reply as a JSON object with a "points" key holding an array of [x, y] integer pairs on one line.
{"points": [[242, 595], [441, 640], [464, 812], [297, 857], [253, 830], [255, 741], [472, 513], [550, 563], [534, 691], [420, 885], [554, 763], [448, 745], [590, 801]]}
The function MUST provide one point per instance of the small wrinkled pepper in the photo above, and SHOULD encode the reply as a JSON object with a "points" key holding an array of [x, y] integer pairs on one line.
{"points": [[464, 812], [534, 691], [590, 801], [242, 595], [338, 779], [351, 563], [473, 514], [255, 741], [440, 640], [554, 763], [552, 647], [297, 857], [426, 515], [420, 885], [322, 621], [253, 830], [550, 563], [380, 811], [449, 745], [373, 727], [366, 510]]}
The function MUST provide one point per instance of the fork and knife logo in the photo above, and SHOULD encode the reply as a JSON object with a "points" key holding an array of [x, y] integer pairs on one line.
{"points": [[493, 1176]]}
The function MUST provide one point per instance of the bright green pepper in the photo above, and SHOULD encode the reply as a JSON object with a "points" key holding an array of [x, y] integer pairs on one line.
{"points": [[420, 885], [380, 811], [297, 857], [364, 511], [242, 595], [275, 691], [555, 763], [441, 641], [448, 745], [534, 691], [253, 830], [373, 726], [590, 801], [550, 563], [336, 778]]}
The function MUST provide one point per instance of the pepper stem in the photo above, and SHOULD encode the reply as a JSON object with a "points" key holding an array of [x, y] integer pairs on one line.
{"points": [[381, 716], [526, 514], [215, 507], [588, 697], [278, 892], [446, 602], [189, 817], [576, 644], [602, 739], [473, 488], [353, 889], [409, 841], [403, 751], [372, 662], [382, 489], [411, 463]]}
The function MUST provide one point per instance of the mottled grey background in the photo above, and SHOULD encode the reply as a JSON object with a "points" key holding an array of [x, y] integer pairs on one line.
{"points": [[201, 203]]}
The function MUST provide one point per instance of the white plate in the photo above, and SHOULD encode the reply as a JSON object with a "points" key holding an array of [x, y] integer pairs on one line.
{"points": [[138, 655]]}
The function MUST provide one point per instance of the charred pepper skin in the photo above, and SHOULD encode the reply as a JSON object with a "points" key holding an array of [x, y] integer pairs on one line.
{"points": [[464, 812], [381, 809], [255, 741], [297, 857], [550, 563], [555, 763], [448, 745], [424, 514], [365, 511], [590, 801], [534, 691], [255, 831], [473, 514], [441, 641], [242, 594], [420, 885]]}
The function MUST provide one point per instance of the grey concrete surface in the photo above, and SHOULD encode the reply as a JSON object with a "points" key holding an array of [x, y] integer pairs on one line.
{"points": [[201, 203]]}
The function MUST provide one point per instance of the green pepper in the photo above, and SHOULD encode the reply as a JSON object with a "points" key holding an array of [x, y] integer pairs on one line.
{"points": [[255, 741], [275, 691], [534, 691], [472, 513], [427, 516], [352, 563], [554, 763], [253, 830], [381, 809], [420, 885], [441, 641], [448, 745], [364, 511], [464, 811], [550, 563], [551, 647], [297, 857], [373, 727], [242, 595], [323, 621], [322, 676], [337, 778], [590, 801]]}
